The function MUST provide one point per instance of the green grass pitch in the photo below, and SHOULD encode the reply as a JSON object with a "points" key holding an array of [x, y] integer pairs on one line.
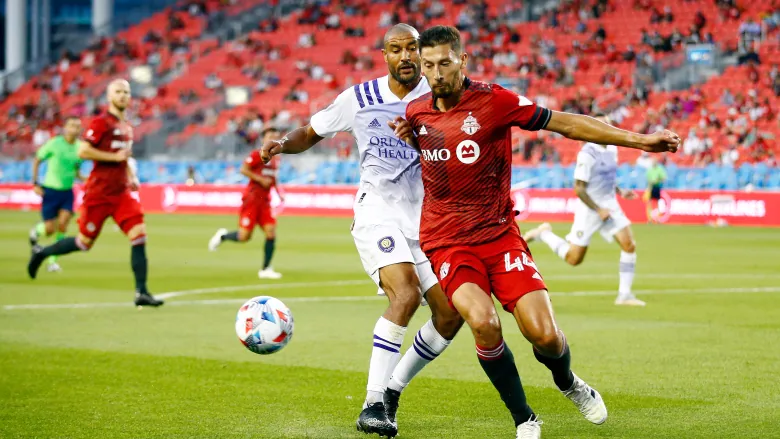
{"points": [[700, 361]]}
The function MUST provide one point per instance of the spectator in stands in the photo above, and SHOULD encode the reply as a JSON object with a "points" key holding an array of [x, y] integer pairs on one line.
{"points": [[306, 40], [629, 54], [435, 10], [751, 57], [676, 38], [333, 21], [668, 15], [354, 32], [174, 22], [699, 21], [213, 82], [655, 16], [749, 31], [693, 144], [297, 93]]}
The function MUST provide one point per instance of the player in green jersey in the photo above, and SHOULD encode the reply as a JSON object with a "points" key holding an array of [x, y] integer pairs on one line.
{"points": [[56, 191], [656, 176]]}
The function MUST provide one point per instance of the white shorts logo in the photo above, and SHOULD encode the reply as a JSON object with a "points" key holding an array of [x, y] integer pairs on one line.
{"points": [[245, 221], [467, 152], [444, 270], [90, 227]]}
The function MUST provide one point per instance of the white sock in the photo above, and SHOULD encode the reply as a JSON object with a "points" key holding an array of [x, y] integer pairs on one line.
{"points": [[388, 338], [627, 268], [428, 344], [558, 245]]}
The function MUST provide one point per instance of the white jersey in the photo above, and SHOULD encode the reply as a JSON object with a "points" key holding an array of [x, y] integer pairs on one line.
{"points": [[389, 167], [597, 166]]}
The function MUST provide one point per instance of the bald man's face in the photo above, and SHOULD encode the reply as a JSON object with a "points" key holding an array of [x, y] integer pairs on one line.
{"points": [[403, 57], [119, 94]]}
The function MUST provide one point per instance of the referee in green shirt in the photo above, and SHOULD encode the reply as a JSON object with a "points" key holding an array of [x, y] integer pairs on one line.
{"points": [[56, 191], [656, 176]]}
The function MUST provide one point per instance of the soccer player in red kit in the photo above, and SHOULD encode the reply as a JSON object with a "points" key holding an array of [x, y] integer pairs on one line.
{"points": [[467, 229], [107, 193], [256, 206]]}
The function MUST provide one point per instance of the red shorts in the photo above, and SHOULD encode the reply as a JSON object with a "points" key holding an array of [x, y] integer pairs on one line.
{"points": [[253, 213], [94, 211], [503, 267]]}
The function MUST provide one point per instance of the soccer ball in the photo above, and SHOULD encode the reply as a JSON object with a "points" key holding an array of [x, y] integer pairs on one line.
{"points": [[264, 325]]}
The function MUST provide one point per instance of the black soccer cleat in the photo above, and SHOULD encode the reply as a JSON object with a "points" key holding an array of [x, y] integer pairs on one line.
{"points": [[391, 404], [36, 260], [146, 299], [373, 419]]}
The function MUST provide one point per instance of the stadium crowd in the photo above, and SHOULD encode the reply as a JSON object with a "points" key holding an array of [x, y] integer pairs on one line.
{"points": [[572, 58]]}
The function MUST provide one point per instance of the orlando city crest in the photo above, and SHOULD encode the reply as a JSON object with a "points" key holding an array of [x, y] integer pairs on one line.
{"points": [[470, 125]]}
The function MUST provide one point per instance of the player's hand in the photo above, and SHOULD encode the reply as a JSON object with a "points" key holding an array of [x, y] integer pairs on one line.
{"points": [[628, 194], [403, 130], [603, 214], [661, 141], [38, 190], [123, 154], [271, 148]]}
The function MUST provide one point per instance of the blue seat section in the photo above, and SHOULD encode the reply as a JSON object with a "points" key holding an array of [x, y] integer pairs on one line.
{"points": [[544, 176]]}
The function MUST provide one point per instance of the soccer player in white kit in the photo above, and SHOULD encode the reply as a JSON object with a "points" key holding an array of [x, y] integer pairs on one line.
{"points": [[387, 222], [598, 210]]}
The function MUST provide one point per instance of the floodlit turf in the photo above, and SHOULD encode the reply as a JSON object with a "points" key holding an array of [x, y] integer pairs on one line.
{"points": [[699, 362]]}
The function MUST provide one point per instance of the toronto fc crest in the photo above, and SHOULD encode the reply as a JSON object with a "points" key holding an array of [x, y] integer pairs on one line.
{"points": [[470, 125]]}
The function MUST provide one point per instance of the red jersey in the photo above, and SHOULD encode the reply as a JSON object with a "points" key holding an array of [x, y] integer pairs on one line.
{"points": [[253, 189], [107, 133], [466, 157]]}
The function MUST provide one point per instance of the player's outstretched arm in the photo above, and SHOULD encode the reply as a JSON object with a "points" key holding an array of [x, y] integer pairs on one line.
{"points": [[586, 128], [89, 152], [262, 180], [294, 142]]}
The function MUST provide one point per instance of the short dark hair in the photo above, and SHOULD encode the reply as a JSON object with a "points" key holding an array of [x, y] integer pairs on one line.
{"points": [[438, 35], [270, 129]]}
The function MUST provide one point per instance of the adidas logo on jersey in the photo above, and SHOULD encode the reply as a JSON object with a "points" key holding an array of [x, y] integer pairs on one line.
{"points": [[423, 131], [375, 124]]}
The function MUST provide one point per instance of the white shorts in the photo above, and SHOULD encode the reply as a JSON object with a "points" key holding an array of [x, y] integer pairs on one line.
{"points": [[587, 222], [386, 235]]}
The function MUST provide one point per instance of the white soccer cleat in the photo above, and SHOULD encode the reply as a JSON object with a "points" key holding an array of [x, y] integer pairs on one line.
{"points": [[530, 429], [629, 301], [588, 401], [268, 273], [54, 267], [533, 234], [216, 240]]}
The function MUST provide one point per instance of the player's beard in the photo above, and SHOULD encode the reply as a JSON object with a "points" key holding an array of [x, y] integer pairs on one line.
{"points": [[408, 79], [443, 91]]}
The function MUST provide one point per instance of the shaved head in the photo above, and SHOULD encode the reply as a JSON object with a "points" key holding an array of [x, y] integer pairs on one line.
{"points": [[402, 31], [118, 94], [402, 54]]}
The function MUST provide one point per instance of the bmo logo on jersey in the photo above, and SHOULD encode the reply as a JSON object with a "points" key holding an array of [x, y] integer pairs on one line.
{"points": [[121, 144], [467, 152]]}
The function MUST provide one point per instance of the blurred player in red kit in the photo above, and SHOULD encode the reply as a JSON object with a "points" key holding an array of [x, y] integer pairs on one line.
{"points": [[108, 142], [467, 229], [256, 207]]}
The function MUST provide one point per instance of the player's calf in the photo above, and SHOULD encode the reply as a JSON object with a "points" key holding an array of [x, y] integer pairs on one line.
{"points": [[61, 247]]}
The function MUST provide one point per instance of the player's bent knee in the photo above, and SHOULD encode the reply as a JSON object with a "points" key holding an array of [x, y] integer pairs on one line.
{"points": [[485, 324], [406, 300], [547, 341], [84, 242], [574, 260], [244, 235], [447, 324], [630, 247], [137, 231]]}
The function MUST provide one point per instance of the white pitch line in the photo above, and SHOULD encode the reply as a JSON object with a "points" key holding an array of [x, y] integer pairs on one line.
{"points": [[372, 298], [262, 287]]}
